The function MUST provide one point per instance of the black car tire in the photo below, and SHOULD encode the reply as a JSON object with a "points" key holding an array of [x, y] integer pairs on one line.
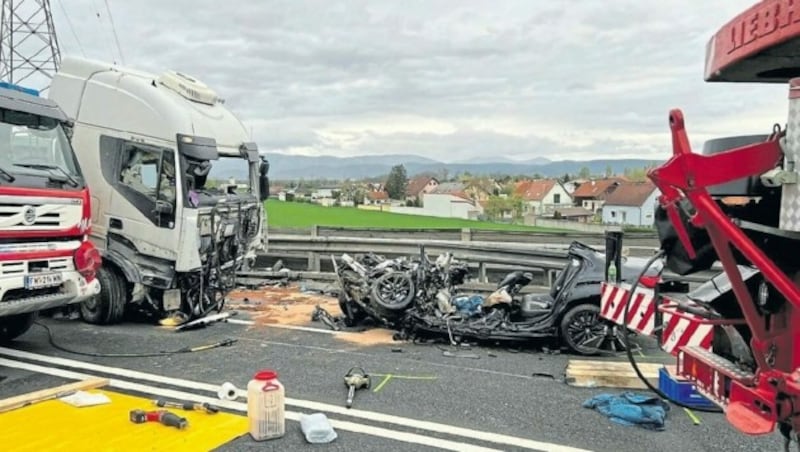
{"points": [[107, 307], [383, 303], [14, 326], [575, 323]]}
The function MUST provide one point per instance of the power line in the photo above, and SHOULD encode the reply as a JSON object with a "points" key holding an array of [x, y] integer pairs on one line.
{"points": [[71, 28], [114, 30]]}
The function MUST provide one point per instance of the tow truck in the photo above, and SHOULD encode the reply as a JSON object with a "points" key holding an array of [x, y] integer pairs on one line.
{"points": [[735, 205], [46, 258], [177, 189]]}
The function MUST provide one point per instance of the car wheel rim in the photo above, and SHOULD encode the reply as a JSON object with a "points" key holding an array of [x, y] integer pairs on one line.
{"points": [[589, 333], [394, 289]]}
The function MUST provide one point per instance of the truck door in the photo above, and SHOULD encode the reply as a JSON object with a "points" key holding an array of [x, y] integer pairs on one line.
{"points": [[144, 203]]}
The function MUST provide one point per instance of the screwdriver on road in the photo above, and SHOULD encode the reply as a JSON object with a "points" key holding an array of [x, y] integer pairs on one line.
{"points": [[188, 406]]}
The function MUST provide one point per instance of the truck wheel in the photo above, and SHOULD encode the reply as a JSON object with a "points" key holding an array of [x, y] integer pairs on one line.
{"points": [[108, 306], [14, 326], [584, 331], [392, 293]]}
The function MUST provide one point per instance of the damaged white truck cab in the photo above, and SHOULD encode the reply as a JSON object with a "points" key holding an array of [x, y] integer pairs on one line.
{"points": [[154, 148]]}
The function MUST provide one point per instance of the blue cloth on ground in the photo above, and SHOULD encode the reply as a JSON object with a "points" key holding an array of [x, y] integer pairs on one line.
{"points": [[630, 408]]}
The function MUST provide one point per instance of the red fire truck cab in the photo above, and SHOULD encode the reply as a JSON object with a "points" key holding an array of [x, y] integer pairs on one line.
{"points": [[46, 258]]}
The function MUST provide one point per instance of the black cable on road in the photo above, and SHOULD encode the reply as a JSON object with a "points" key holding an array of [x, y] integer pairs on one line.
{"points": [[626, 334], [200, 348]]}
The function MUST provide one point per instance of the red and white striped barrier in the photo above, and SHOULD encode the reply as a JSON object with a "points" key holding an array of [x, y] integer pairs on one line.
{"points": [[678, 331]]}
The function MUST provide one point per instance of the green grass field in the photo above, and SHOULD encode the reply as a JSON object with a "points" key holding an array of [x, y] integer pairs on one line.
{"points": [[302, 215]]}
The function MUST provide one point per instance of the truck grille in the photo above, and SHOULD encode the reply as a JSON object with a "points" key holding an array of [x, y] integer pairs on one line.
{"points": [[13, 268], [37, 213]]}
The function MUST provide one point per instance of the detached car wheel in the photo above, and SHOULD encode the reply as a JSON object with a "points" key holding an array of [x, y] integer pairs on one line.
{"points": [[392, 293], [108, 306], [586, 333], [14, 326]]}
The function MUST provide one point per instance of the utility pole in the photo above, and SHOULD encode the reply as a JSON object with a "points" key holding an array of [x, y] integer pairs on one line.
{"points": [[29, 49]]}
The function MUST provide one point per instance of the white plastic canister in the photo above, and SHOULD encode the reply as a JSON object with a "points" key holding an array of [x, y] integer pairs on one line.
{"points": [[265, 406]]}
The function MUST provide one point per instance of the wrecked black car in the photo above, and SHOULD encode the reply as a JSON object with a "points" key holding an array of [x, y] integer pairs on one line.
{"points": [[420, 297]]}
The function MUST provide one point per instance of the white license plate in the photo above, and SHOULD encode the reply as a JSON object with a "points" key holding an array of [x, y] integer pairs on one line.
{"points": [[43, 280]]}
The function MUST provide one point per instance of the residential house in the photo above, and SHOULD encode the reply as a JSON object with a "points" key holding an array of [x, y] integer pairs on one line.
{"points": [[420, 185], [376, 198], [577, 214], [451, 201], [542, 196], [325, 196], [632, 203], [480, 189], [592, 194]]}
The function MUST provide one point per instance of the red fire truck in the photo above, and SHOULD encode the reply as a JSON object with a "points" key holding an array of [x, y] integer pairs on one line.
{"points": [[46, 258]]}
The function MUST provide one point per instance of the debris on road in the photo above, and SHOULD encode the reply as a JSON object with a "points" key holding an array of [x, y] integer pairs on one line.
{"points": [[321, 315], [205, 321], [631, 408], [187, 406], [450, 354], [355, 379], [317, 429]]}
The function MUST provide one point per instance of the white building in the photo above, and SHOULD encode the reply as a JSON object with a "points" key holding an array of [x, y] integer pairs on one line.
{"points": [[632, 204]]}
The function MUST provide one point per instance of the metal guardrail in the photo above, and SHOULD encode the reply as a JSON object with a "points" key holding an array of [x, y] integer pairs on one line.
{"points": [[486, 256], [634, 239]]}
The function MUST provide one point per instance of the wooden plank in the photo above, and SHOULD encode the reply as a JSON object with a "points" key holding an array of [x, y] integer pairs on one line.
{"points": [[13, 403], [592, 374]]}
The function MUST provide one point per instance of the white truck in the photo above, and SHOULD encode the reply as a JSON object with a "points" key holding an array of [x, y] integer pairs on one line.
{"points": [[154, 149]]}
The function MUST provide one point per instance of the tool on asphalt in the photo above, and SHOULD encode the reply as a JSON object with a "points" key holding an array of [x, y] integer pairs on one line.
{"points": [[227, 391], [188, 406], [205, 321], [161, 416], [321, 315], [355, 379]]}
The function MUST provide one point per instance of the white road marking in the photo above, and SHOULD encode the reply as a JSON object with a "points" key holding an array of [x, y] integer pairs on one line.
{"points": [[242, 407], [286, 327], [307, 404]]}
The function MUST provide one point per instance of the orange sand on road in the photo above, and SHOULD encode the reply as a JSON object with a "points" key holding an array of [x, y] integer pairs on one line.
{"points": [[288, 306]]}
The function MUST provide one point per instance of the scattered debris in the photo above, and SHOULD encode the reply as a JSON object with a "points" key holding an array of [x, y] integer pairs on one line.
{"points": [[397, 350], [188, 406], [450, 354], [321, 315], [695, 420], [317, 429], [491, 355], [544, 375], [81, 399], [630, 408], [205, 321]]}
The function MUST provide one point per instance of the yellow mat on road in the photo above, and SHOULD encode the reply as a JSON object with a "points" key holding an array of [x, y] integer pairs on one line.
{"points": [[55, 425]]}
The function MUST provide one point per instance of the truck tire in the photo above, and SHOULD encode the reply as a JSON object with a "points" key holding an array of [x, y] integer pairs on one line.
{"points": [[582, 325], [107, 307], [14, 326]]}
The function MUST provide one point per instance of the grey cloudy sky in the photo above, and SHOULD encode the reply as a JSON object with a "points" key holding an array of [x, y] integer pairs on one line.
{"points": [[451, 79]]}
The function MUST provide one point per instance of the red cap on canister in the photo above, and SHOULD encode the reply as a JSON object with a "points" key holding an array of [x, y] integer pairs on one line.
{"points": [[265, 375]]}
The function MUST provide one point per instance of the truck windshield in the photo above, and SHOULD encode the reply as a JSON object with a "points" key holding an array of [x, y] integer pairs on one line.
{"points": [[35, 146], [226, 172]]}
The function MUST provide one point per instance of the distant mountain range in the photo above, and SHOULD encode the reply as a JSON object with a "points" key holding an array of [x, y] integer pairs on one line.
{"points": [[285, 166]]}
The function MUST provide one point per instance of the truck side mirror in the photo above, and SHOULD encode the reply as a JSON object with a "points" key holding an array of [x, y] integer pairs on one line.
{"points": [[263, 180], [263, 187], [163, 208]]}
